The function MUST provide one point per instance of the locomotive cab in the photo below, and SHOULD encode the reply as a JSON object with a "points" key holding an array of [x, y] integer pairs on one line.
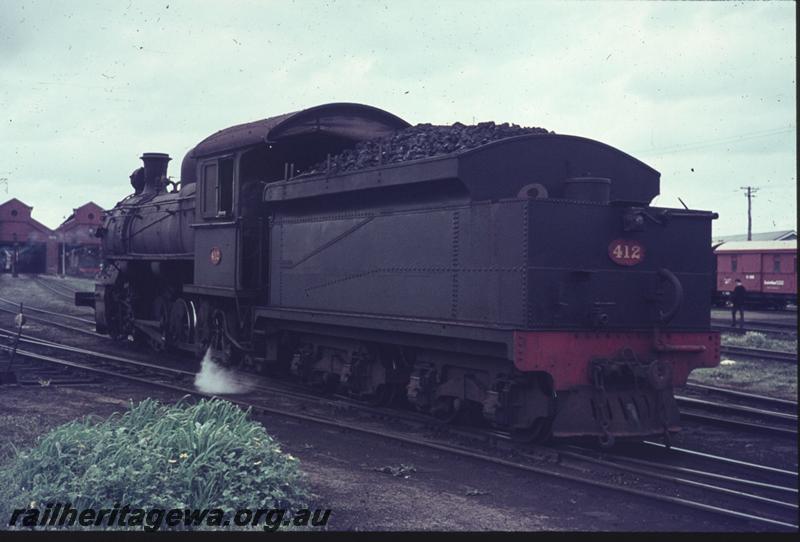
{"points": [[234, 165]]}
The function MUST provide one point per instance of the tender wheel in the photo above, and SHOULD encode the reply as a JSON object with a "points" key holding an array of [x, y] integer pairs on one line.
{"points": [[384, 395], [447, 409], [606, 441], [539, 432]]}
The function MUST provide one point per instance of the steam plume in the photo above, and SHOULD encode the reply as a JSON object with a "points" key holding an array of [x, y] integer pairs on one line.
{"points": [[213, 378]]}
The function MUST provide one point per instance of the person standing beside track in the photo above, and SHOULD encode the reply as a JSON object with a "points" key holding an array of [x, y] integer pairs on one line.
{"points": [[737, 299]]}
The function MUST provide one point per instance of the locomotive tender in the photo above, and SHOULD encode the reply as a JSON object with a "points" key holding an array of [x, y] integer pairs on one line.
{"points": [[527, 280]]}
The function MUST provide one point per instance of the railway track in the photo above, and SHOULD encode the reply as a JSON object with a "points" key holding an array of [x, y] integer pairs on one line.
{"points": [[750, 484], [60, 290], [182, 380], [761, 327], [69, 284], [738, 417], [87, 325], [744, 411], [39, 310], [742, 417], [759, 354], [765, 400], [758, 509]]}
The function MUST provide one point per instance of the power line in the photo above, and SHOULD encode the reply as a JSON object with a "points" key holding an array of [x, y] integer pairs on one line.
{"points": [[719, 141]]}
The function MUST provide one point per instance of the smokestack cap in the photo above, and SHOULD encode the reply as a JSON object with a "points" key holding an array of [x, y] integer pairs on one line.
{"points": [[154, 156], [155, 170]]}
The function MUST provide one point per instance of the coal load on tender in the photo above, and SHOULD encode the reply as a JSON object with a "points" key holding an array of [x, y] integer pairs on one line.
{"points": [[420, 141]]}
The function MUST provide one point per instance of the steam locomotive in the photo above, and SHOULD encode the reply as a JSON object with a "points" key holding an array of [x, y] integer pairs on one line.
{"points": [[525, 279]]}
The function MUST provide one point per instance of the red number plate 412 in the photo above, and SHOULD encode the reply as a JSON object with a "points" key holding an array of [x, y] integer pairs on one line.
{"points": [[626, 252]]}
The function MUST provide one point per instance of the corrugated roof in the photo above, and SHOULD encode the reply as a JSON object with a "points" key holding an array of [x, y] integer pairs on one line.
{"points": [[781, 235], [757, 246]]}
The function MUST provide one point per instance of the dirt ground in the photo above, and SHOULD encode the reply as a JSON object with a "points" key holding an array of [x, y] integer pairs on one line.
{"points": [[788, 316], [345, 471]]}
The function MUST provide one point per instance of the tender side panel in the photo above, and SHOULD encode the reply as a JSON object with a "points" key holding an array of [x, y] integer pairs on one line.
{"points": [[490, 263], [453, 263]]}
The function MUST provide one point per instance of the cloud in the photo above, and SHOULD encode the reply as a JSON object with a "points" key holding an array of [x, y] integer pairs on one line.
{"points": [[87, 87]]}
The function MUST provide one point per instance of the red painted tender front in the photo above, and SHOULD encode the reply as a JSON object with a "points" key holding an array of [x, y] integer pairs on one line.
{"points": [[566, 356], [615, 383]]}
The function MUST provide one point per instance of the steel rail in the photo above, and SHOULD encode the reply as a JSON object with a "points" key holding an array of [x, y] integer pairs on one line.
{"points": [[754, 353], [707, 474], [756, 427], [45, 311], [62, 292], [736, 408], [58, 324], [721, 459], [768, 327], [102, 355], [242, 380], [455, 450], [744, 395], [683, 481], [777, 330], [66, 283]]}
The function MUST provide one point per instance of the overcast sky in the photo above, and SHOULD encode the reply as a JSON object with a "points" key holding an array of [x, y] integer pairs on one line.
{"points": [[702, 92]]}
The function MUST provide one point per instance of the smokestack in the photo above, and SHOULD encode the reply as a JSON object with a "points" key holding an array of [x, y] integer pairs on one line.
{"points": [[155, 171]]}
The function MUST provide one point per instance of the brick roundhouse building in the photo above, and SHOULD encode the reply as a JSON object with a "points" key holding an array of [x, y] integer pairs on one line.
{"points": [[38, 249], [78, 246]]}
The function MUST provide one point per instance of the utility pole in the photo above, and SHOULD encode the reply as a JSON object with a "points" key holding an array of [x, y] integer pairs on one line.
{"points": [[750, 193]]}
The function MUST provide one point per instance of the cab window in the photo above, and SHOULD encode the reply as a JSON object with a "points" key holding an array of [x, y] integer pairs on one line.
{"points": [[218, 188], [210, 189], [225, 187]]}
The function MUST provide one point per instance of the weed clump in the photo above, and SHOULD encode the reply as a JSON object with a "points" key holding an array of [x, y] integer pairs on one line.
{"points": [[755, 339], [200, 456]]}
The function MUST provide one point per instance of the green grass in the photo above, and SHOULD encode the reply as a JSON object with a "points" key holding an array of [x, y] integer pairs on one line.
{"points": [[204, 455], [775, 379], [754, 339]]}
